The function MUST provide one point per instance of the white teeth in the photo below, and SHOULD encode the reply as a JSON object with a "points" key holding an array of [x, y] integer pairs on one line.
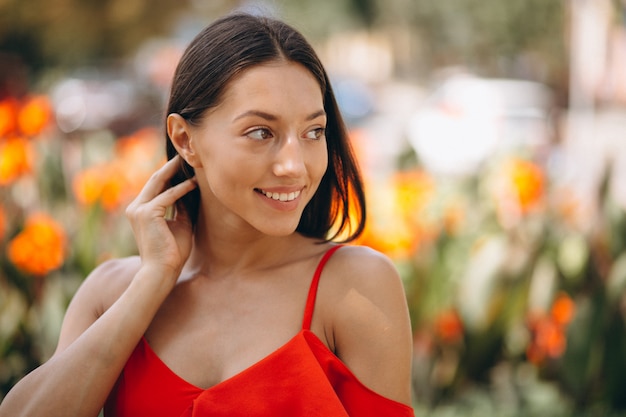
{"points": [[281, 196]]}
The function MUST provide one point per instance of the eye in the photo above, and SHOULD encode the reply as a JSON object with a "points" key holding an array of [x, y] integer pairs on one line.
{"points": [[259, 134], [316, 133]]}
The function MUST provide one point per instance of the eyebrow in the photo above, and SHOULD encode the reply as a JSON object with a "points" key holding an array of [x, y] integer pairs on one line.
{"points": [[271, 117]]}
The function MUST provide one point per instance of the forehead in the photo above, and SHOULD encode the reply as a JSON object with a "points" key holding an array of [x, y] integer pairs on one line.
{"points": [[274, 83]]}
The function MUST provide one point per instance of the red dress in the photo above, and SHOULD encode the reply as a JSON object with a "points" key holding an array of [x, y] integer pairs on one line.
{"points": [[303, 378]]}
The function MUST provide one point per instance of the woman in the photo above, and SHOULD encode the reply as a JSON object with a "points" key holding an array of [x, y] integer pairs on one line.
{"points": [[238, 304]]}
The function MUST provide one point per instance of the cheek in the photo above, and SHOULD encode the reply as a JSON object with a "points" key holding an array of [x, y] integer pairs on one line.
{"points": [[221, 176], [229, 172]]}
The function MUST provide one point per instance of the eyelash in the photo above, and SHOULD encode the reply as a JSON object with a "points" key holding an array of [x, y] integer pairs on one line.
{"points": [[258, 129], [319, 133]]}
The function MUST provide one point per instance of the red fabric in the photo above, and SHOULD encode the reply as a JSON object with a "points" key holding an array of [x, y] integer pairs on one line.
{"points": [[301, 378]]}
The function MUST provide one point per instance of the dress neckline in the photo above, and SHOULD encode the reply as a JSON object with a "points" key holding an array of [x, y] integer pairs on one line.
{"points": [[234, 377], [306, 328], [307, 337]]}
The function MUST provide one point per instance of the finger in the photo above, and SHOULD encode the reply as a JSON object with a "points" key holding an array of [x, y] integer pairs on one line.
{"points": [[171, 195], [159, 180], [158, 207]]}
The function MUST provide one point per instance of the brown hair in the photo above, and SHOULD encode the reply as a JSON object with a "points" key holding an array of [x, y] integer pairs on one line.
{"points": [[235, 43]]}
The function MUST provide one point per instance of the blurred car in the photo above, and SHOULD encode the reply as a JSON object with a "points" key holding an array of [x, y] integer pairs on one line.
{"points": [[104, 99], [467, 119]]}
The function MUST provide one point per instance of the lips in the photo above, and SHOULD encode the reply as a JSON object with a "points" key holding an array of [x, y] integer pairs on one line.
{"points": [[284, 197]]}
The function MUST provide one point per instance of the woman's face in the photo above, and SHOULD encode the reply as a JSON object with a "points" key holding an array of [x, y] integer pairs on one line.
{"points": [[261, 154]]}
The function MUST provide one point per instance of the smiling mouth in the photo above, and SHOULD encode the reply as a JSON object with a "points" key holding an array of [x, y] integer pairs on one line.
{"points": [[284, 197]]}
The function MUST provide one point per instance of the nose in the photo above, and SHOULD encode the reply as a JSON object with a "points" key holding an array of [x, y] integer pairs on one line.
{"points": [[289, 158]]}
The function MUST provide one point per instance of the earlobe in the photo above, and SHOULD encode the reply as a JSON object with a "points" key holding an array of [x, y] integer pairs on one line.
{"points": [[179, 133]]}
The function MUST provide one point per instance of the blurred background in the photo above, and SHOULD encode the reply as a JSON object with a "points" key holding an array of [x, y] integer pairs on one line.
{"points": [[492, 139]]}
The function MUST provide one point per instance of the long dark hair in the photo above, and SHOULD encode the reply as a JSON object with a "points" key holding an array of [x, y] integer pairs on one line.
{"points": [[235, 43]]}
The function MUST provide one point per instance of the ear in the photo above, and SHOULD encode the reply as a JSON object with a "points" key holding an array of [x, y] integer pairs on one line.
{"points": [[179, 132]]}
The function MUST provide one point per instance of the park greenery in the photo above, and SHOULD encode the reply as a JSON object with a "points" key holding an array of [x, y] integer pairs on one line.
{"points": [[515, 285]]}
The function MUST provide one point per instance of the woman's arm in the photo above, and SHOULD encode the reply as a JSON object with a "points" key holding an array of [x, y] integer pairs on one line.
{"points": [[111, 311], [91, 351], [370, 322]]}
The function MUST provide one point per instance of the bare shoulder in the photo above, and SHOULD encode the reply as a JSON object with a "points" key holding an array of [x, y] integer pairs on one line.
{"points": [[363, 278], [366, 309], [362, 270], [363, 266], [106, 283], [102, 287]]}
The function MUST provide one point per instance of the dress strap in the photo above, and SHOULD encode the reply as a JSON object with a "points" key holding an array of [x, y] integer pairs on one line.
{"points": [[310, 301]]}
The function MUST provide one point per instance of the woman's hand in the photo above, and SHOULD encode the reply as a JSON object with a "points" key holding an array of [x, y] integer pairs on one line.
{"points": [[164, 244]]}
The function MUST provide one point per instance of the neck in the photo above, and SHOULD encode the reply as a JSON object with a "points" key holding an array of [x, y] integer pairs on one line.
{"points": [[223, 249]]}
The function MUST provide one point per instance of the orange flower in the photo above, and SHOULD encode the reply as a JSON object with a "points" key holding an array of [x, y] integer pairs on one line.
{"points": [[563, 309], [137, 157], [102, 184], [397, 212], [113, 189], [40, 247], [16, 159], [8, 116], [34, 115], [116, 182], [449, 327], [414, 189], [87, 186], [527, 183], [390, 237], [140, 146]]}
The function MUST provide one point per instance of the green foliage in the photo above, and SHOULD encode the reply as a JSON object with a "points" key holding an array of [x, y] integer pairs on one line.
{"points": [[75, 32], [524, 38], [502, 277]]}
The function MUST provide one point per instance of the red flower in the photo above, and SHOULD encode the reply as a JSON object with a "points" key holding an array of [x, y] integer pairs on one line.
{"points": [[9, 109], [449, 327], [26, 118], [548, 338], [563, 309]]}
